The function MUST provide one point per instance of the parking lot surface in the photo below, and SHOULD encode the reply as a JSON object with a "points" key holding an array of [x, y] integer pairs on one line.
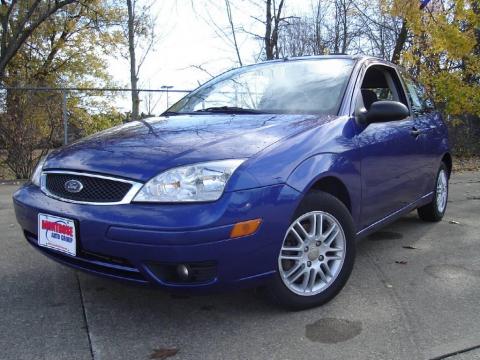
{"points": [[414, 294]]}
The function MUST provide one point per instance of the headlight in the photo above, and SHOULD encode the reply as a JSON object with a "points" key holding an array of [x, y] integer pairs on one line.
{"points": [[38, 171], [196, 182]]}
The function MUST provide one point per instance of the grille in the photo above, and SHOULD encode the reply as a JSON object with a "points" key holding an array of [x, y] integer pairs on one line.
{"points": [[94, 189]]}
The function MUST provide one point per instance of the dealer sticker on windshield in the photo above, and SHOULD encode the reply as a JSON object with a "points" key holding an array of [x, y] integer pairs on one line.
{"points": [[57, 233]]}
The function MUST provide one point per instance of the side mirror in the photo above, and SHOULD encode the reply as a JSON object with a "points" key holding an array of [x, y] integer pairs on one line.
{"points": [[384, 111]]}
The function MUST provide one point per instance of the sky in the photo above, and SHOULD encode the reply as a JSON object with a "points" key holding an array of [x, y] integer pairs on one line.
{"points": [[187, 37]]}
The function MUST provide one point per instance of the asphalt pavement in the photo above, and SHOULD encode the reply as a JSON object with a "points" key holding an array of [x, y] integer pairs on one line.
{"points": [[414, 294]]}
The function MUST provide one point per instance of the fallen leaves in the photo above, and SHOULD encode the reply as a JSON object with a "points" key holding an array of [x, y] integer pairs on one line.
{"points": [[405, 262], [163, 353], [466, 163], [473, 197], [388, 285]]}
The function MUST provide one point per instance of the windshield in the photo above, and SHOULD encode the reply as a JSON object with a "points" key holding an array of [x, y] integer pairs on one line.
{"points": [[313, 86]]}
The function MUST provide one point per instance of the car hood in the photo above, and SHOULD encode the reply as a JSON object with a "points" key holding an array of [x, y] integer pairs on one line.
{"points": [[141, 149]]}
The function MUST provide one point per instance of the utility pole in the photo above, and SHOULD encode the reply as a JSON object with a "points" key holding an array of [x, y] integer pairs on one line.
{"points": [[65, 117], [167, 87]]}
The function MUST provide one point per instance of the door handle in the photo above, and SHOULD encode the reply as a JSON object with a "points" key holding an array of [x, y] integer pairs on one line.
{"points": [[415, 132]]}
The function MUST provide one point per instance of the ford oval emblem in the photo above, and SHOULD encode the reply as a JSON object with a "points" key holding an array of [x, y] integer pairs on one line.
{"points": [[73, 186]]}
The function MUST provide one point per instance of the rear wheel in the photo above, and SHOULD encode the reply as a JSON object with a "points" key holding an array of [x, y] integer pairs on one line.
{"points": [[435, 210], [317, 253]]}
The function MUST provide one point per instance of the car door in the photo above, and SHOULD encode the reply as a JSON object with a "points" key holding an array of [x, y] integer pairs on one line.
{"points": [[389, 150], [424, 118]]}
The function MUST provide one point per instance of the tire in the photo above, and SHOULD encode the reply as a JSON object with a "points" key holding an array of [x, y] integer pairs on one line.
{"points": [[323, 272], [435, 210]]}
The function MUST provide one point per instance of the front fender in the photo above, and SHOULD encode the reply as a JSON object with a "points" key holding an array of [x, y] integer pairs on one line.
{"points": [[320, 166]]}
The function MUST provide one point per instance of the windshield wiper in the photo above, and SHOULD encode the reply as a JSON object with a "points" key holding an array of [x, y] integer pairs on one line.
{"points": [[230, 110], [169, 113]]}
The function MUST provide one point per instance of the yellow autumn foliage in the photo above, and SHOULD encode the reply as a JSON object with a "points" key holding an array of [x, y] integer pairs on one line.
{"points": [[443, 52]]}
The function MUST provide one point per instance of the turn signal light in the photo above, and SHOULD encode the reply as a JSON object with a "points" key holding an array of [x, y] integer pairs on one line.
{"points": [[245, 228]]}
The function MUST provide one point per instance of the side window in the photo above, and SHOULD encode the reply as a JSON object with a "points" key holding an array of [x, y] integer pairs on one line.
{"points": [[415, 101], [418, 98], [381, 83]]}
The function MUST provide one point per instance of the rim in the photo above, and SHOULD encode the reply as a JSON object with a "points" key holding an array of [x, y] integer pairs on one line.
{"points": [[312, 253], [442, 191]]}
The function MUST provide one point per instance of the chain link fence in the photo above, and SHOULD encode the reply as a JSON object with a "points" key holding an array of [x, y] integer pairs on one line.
{"points": [[34, 120], [464, 135]]}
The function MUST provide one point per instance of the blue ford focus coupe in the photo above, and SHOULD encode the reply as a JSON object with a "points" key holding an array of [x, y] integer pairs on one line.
{"points": [[265, 175]]}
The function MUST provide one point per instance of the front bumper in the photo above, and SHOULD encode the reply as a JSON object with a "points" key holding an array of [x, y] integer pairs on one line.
{"points": [[134, 242]]}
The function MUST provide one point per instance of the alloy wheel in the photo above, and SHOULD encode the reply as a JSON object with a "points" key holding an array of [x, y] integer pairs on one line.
{"points": [[442, 191], [312, 253]]}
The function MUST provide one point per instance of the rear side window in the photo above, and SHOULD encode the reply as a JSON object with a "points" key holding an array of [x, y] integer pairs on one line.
{"points": [[416, 93]]}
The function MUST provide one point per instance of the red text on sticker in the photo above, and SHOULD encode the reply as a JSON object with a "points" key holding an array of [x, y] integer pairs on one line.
{"points": [[56, 227]]}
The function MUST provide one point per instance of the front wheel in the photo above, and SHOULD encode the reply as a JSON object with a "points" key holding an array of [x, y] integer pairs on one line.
{"points": [[317, 253], [435, 210]]}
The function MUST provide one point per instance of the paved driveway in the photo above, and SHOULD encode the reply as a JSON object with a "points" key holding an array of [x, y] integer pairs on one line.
{"points": [[414, 294]]}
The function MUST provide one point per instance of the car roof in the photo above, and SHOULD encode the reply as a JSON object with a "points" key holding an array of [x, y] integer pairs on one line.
{"points": [[357, 58]]}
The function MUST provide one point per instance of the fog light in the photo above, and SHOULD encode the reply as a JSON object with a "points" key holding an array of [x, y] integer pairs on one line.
{"points": [[245, 228], [183, 272]]}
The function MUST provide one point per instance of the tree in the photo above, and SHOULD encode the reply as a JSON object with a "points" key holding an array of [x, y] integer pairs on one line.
{"points": [[232, 28], [229, 36], [273, 20], [299, 39], [332, 26], [378, 32], [19, 20], [31, 121], [141, 39], [441, 51], [341, 34], [133, 59], [402, 36], [320, 12]]}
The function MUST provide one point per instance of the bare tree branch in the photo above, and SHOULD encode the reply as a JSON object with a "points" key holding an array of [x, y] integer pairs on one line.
{"points": [[232, 27]]}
